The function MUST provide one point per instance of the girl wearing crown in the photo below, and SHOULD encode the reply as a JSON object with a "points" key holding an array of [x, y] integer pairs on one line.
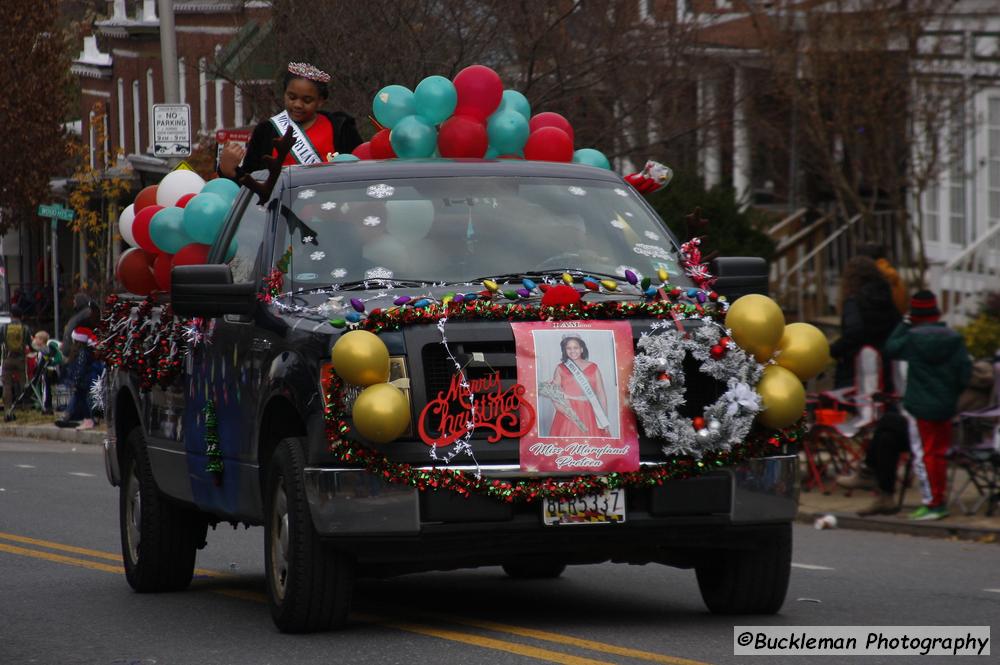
{"points": [[577, 392], [317, 133]]}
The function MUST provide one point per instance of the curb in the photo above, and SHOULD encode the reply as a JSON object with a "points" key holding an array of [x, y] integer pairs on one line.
{"points": [[52, 433], [893, 525]]}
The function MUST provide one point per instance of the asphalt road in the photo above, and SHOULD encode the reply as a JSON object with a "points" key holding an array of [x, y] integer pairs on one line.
{"points": [[64, 599]]}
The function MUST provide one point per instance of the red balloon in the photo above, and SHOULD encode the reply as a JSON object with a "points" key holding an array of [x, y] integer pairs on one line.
{"points": [[479, 91], [135, 272], [191, 255], [381, 148], [161, 270], [462, 136], [140, 228], [548, 144], [146, 197], [364, 151], [183, 201], [550, 119]]}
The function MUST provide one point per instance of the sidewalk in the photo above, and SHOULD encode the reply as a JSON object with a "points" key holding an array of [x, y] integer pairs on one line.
{"points": [[844, 504], [50, 432]]}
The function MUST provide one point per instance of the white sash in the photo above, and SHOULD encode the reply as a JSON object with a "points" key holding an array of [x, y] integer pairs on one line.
{"points": [[588, 392], [302, 149]]}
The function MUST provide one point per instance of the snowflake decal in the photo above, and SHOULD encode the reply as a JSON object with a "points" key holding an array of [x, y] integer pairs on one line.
{"points": [[628, 214], [577, 191], [651, 235], [317, 256], [329, 205], [372, 220], [339, 273], [618, 224], [378, 272], [651, 251], [379, 191], [307, 193], [307, 239], [620, 192]]}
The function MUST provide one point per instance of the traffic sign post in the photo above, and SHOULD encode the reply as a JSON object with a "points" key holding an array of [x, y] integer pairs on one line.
{"points": [[172, 130], [55, 212]]}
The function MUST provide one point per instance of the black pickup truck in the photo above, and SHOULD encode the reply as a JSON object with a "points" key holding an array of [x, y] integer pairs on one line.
{"points": [[248, 423]]}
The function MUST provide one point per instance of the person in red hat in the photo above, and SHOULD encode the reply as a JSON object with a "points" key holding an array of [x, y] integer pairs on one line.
{"points": [[939, 369]]}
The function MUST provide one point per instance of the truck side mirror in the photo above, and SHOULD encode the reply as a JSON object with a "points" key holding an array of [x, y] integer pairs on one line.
{"points": [[208, 290], [739, 275]]}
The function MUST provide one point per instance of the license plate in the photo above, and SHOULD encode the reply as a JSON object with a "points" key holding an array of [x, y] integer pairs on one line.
{"points": [[605, 508]]}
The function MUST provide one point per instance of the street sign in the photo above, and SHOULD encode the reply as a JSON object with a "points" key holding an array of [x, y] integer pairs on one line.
{"points": [[171, 130], [224, 136], [56, 211]]}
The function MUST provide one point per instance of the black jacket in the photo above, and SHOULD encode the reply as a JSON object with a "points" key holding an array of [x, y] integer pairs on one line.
{"points": [[345, 139], [867, 320]]}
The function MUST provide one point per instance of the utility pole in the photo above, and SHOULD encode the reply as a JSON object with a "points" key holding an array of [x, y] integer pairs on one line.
{"points": [[168, 51]]}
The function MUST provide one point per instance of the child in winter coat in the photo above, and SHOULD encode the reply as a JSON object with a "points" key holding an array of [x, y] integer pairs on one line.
{"points": [[939, 369]]}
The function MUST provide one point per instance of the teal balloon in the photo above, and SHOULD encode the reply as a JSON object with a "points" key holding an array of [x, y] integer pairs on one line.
{"points": [[231, 252], [203, 217], [412, 138], [345, 157], [591, 157], [224, 187], [491, 153], [512, 100], [508, 131], [435, 98], [167, 229], [391, 104]]}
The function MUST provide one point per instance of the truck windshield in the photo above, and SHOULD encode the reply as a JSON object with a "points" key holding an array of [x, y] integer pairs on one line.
{"points": [[459, 229]]}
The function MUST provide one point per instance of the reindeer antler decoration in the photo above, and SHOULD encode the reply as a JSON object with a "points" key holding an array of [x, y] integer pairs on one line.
{"points": [[263, 188]]}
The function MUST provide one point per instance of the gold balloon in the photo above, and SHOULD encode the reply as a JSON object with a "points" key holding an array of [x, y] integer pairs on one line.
{"points": [[757, 323], [381, 413], [783, 396], [360, 358], [804, 350]]}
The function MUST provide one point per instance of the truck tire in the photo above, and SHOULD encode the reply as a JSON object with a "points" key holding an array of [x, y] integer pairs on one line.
{"points": [[159, 538], [309, 585], [748, 581], [534, 570]]}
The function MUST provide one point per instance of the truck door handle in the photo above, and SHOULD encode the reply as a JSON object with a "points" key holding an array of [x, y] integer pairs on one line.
{"points": [[260, 344]]}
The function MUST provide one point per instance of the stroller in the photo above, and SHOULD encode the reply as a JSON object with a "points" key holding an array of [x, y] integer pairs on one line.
{"points": [[36, 366]]}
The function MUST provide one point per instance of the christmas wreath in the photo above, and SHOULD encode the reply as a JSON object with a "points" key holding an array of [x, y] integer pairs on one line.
{"points": [[657, 389]]}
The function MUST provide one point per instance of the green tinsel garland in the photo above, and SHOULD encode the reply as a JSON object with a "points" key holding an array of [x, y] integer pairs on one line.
{"points": [[212, 451]]}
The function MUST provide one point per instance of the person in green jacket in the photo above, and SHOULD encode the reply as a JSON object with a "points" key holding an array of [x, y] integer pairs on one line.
{"points": [[939, 369]]}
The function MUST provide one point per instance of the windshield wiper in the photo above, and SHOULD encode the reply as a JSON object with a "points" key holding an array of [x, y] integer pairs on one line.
{"points": [[380, 282], [554, 272]]}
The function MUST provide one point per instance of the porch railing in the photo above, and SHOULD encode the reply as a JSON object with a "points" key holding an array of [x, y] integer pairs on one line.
{"points": [[964, 280]]}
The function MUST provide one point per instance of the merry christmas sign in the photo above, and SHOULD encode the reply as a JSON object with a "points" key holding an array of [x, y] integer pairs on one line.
{"points": [[575, 373]]}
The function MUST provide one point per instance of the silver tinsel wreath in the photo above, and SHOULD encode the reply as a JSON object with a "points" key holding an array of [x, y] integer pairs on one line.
{"points": [[657, 389]]}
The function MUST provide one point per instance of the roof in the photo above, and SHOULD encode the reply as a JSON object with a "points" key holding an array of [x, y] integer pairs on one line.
{"points": [[439, 168]]}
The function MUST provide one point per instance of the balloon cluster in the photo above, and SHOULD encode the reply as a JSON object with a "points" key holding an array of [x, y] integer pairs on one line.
{"points": [[800, 351], [381, 411], [171, 224], [470, 116]]}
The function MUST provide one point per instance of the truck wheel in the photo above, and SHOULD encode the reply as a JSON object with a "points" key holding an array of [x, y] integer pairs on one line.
{"points": [[159, 538], [534, 570], [748, 581], [309, 586]]}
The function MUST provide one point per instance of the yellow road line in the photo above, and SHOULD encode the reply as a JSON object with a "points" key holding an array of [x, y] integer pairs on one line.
{"points": [[431, 631], [59, 558], [484, 642], [558, 638]]}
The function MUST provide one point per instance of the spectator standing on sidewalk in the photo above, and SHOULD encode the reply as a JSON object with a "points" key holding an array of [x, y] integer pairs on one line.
{"points": [[81, 312], [14, 338], [83, 369], [939, 369], [900, 294], [867, 317]]}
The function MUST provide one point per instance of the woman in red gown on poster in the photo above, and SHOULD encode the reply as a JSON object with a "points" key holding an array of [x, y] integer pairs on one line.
{"points": [[577, 391]]}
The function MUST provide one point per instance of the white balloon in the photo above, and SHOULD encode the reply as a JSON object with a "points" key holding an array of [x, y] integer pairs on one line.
{"points": [[409, 221], [125, 225], [175, 185]]}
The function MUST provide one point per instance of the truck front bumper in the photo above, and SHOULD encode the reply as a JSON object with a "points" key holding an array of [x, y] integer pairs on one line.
{"points": [[353, 504]]}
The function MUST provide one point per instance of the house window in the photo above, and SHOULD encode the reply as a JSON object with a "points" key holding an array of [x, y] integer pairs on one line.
{"points": [[136, 114], [956, 180], [93, 148], [181, 81], [121, 114], [993, 166], [219, 84], [237, 106], [932, 202], [149, 106], [202, 95]]}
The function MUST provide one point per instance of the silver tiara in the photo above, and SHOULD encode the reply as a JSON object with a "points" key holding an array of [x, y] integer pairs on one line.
{"points": [[307, 71]]}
